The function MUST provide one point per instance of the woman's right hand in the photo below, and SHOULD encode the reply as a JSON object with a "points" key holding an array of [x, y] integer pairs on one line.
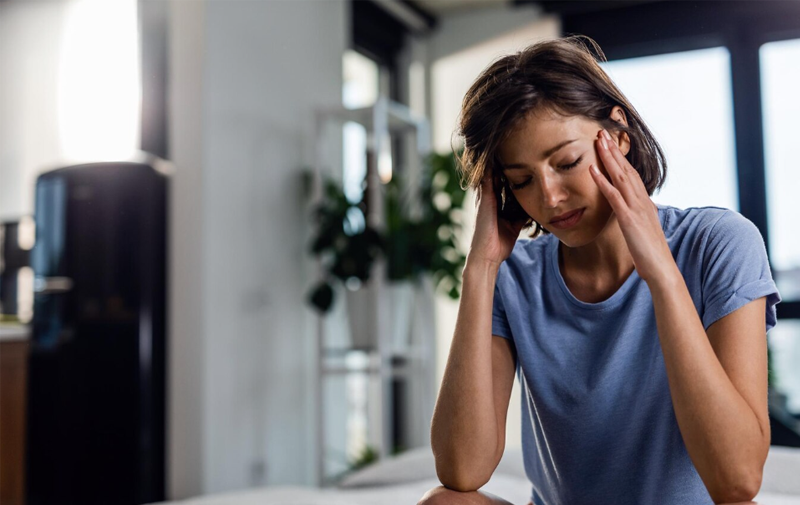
{"points": [[494, 237]]}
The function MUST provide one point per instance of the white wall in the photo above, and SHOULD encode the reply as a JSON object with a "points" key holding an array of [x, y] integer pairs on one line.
{"points": [[187, 334], [246, 78], [454, 66], [462, 30]]}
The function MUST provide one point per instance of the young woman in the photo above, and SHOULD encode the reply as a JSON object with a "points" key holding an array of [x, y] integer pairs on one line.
{"points": [[637, 331]]}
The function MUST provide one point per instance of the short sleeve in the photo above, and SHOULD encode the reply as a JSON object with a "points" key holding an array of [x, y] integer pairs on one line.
{"points": [[500, 326], [736, 270]]}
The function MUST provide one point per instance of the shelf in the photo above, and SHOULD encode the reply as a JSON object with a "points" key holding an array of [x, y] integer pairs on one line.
{"points": [[333, 352], [398, 117], [374, 371], [343, 361], [394, 371]]}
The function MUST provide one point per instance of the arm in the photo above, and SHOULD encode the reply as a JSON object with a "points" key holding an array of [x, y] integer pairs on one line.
{"points": [[468, 426], [718, 383]]}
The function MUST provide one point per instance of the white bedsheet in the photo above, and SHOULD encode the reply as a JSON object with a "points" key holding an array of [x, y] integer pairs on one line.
{"points": [[513, 489], [403, 480]]}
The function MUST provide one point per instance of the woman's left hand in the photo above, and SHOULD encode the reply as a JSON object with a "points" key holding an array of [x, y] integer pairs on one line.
{"points": [[636, 213]]}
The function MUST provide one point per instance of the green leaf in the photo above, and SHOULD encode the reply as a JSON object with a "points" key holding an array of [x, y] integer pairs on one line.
{"points": [[321, 297], [411, 246]]}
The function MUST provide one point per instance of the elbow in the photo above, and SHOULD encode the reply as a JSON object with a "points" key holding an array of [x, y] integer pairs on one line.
{"points": [[463, 470], [742, 489], [461, 484], [460, 479]]}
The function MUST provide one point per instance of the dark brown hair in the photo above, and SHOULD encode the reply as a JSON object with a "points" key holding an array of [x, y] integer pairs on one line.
{"points": [[560, 75]]}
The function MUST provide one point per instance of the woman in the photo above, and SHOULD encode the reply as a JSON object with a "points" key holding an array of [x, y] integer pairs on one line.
{"points": [[637, 331]]}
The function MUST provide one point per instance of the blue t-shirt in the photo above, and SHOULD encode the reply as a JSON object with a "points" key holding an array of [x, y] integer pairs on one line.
{"points": [[598, 424]]}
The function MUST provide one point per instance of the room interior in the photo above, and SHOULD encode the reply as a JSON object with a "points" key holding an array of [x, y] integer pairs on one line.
{"points": [[191, 145]]}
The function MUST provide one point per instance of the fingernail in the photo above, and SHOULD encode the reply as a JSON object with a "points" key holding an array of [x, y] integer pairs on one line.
{"points": [[603, 141], [606, 135]]}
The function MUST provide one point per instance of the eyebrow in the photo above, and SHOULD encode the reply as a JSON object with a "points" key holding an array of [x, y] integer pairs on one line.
{"points": [[547, 154]]}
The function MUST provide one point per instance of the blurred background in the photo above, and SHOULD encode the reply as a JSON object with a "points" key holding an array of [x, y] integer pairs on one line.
{"points": [[231, 232]]}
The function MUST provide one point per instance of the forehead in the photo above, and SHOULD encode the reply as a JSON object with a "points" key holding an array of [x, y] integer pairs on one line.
{"points": [[538, 132]]}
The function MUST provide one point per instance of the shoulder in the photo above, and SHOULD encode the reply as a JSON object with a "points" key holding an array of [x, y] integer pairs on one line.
{"points": [[529, 252], [527, 259], [706, 224], [700, 218], [716, 238], [734, 234]]}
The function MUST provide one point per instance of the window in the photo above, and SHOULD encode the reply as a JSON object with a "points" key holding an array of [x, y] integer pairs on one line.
{"points": [[361, 88], [784, 345], [99, 89], [361, 80], [780, 73], [691, 117]]}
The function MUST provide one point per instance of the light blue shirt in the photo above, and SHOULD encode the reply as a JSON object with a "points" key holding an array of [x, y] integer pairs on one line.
{"points": [[598, 425]]}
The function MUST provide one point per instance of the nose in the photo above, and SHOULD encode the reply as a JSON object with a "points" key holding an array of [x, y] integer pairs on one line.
{"points": [[553, 191]]}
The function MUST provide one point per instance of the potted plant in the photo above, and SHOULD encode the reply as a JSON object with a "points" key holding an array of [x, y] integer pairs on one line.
{"points": [[347, 245], [419, 237]]}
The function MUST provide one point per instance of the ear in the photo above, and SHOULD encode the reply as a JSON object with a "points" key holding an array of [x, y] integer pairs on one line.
{"points": [[622, 138]]}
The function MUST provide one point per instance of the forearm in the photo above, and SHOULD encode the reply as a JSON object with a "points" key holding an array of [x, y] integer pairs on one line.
{"points": [[464, 430], [721, 431]]}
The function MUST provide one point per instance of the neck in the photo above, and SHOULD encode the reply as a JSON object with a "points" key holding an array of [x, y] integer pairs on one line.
{"points": [[607, 257]]}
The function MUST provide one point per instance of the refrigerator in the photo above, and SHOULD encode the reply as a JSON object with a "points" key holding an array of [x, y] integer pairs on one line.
{"points": [[97, 365]]}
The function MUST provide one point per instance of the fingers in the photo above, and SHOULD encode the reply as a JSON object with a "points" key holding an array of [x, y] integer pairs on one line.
{"points": [[485, 188], [613, 148], [487, 177], [623, 176], [487, 182], [611, 193], [614, 168]]}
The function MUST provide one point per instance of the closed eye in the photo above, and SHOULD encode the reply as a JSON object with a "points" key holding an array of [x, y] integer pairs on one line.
{"points": [[520, 185], [573, 164], [529, 179]]}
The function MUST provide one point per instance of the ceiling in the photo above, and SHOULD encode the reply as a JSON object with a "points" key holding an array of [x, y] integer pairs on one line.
{"points": [[439, 8], [444, 7]]}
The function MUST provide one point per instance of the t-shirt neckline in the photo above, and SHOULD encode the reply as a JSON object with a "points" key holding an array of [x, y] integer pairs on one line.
{"points": [[613, 300]]}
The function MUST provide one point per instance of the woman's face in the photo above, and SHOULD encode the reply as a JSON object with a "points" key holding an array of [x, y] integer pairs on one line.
{"points": [[546, 162]]}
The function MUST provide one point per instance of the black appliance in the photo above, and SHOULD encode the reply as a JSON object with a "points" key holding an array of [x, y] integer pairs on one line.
{"points": [[96, 386]]}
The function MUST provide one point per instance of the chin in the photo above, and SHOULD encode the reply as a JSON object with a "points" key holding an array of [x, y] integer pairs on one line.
{"points": [[572, 240], [584, 233]]}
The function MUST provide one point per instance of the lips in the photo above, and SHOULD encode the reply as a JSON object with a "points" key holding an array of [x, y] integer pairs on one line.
{"points": [[564, 217], [568, 220]]}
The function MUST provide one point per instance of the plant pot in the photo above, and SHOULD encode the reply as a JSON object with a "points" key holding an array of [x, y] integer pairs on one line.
{"points": [[362, 308], [400, 296]]}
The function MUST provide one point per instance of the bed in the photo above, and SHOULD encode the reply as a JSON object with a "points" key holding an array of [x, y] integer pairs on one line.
{"points": [[405, 478]]}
